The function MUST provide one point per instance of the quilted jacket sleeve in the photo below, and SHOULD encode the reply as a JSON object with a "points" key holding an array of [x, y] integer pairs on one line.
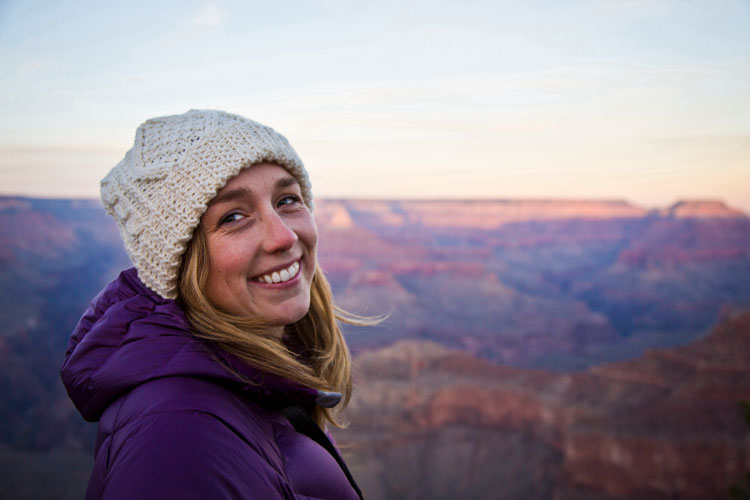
{"points": [[188, 455]]}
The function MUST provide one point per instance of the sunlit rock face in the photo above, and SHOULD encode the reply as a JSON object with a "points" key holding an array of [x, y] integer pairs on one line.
{"points": [[701, 209], [551, 284], [429, 421]]}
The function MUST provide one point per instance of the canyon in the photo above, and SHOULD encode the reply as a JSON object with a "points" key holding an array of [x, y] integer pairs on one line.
{"points": [[529, 348]]}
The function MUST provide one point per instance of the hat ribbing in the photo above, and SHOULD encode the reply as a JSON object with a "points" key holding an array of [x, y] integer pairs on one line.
{"points": [[159, 191]]}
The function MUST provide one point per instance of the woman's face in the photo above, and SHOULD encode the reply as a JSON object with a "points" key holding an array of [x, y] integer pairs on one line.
{"points": [[262, 243]]}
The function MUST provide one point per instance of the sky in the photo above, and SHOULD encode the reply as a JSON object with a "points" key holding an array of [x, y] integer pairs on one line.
{"points": [[642, 100]]}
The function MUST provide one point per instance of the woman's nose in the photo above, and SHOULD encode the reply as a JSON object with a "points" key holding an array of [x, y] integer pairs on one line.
{"points": [[277, 235]]}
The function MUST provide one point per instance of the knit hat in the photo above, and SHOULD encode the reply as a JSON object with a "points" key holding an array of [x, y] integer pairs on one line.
{"points": [[159, 191]]}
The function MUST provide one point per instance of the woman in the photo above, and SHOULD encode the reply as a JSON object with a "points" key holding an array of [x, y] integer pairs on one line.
{"points": [[200, 363]]}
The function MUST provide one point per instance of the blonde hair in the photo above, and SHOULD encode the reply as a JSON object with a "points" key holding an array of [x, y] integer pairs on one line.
{"points": [[326, 364]]}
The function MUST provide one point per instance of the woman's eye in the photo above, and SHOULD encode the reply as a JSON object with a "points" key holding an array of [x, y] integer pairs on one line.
{"points": [[288, 200], [233, 217]]}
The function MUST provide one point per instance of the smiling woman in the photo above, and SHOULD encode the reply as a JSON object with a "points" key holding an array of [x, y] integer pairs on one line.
{"points": [[261, 242], [213, 365]]}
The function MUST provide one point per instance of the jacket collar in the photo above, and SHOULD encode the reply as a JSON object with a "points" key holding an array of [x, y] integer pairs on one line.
{"points": [[130, 335]]}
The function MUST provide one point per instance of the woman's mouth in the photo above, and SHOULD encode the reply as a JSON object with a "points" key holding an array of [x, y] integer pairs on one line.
{"points": [[280, 276]]}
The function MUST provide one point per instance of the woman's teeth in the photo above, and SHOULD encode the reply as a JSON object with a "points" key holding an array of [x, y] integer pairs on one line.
{"points": [[280, 276]]}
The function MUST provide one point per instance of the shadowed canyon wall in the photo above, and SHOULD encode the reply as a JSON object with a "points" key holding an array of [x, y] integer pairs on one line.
{"points": [[430, 422]]}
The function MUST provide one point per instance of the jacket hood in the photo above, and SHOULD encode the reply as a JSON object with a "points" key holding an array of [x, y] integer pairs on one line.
{"points": [[130, 335]]}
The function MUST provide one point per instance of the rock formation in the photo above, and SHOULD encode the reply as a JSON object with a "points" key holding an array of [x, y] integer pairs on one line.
{"points": [[429, 421]]}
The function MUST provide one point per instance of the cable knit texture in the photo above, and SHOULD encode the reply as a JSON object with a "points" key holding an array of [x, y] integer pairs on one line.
{"points": [[159, 191]]}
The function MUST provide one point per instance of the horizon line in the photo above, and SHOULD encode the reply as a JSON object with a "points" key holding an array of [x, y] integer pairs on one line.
{"points": [[620, 201]]}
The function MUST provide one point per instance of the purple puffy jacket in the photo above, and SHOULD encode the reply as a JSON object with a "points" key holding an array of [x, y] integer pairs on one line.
{"points": [[173, 422]]}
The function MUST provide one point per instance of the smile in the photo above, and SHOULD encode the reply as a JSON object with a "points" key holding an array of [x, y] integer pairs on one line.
{"points": [[280, 276]]}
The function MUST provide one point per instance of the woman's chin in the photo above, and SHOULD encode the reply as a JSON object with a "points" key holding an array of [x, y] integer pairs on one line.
{"points": [[283, 314]]}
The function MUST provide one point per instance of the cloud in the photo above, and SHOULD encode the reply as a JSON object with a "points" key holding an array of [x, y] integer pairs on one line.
{"points": [[629, 4], [209, 15], [39, 66]]}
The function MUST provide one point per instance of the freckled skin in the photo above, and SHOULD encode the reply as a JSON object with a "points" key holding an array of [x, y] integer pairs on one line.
{"points": [[256, 224]]}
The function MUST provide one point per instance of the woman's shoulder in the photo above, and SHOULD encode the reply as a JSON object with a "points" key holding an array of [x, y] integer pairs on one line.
{"points": [[175, 394], [208, 406], [152, 438]]}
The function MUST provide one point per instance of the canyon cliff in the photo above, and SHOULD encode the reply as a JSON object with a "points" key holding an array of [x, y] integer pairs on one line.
{"points": [[430, 422]]}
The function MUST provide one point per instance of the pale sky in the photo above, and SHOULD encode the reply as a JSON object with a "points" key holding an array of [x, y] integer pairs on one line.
{"points": [[643, 100]]}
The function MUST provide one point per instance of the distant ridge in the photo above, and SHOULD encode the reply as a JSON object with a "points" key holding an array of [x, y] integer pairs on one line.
{"points": [[490, 214], [701, 209], [494, 211]]}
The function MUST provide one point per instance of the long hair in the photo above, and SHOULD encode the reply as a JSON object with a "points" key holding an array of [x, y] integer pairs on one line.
{"points": [[326, 364]]}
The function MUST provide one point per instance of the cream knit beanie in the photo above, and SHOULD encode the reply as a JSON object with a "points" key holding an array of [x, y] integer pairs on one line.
{"points": [[159, 191]]}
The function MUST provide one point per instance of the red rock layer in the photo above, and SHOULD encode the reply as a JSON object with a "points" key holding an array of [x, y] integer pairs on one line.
{"points": [[666, 425]]}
